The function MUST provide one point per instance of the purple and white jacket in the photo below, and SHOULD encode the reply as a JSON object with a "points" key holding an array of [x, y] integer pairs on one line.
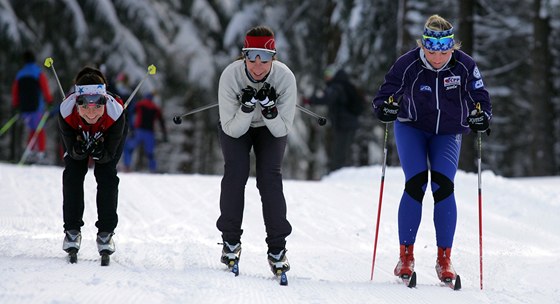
{"points": [[435, 101]]}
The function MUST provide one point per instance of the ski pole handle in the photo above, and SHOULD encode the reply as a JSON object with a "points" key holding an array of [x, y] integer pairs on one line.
{"points": [[49, 63], [151, 71]]}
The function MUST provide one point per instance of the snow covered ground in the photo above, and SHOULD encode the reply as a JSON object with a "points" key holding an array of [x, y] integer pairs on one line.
{"points": [[167, 248]]}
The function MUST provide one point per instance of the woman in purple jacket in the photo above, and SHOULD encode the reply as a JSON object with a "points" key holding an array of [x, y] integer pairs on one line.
{"points": [[434, 94]]}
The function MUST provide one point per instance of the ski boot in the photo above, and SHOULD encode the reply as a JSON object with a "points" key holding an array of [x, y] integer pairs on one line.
{"points": [[444, 268], [71, 244], [278, 261], [405, 266], [105, 246], [230, 256], [279, 265]]}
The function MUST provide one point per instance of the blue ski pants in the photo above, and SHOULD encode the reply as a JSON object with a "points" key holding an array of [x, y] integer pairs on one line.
{"points": [[421, 154]]}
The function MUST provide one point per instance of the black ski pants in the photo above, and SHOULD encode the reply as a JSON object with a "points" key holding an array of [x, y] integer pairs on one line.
{"points": [[269, 152], [73, 193]]}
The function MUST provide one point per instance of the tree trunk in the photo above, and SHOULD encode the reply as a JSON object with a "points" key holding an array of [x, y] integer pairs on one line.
{"points": [[467, 160], [542, 147]]}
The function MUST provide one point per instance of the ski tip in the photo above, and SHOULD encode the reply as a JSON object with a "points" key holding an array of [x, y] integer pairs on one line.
{"points": [[72, 255], [412, 282], [234, 266], [105, 260], [454, 284], [283, 278], [73, 259], [457, 283]]}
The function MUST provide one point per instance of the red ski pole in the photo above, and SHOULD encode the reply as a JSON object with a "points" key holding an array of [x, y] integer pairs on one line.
{"points": [[480, 206], [391, 100], [479, 160], [380, 198]]}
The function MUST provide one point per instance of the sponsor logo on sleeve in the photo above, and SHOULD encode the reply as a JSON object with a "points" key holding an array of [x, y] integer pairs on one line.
{"points": [[478, 84], [476, 73]]}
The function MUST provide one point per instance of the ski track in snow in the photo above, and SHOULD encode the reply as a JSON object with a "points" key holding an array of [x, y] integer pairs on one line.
{"points": [[167, 249]]}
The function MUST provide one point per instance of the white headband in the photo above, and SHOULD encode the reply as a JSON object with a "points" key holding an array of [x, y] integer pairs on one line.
{"points": [[90, 89]]}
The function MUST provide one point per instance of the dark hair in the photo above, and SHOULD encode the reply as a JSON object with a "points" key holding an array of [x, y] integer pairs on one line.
{"points": [[89, 75], [260, 30], [28, 56]]}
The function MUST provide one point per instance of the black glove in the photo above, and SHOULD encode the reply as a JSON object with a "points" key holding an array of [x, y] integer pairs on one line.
{"points": [[97, 149], [388, 112], [478, 121], [247, 99], [267, 98], [81, 146]]}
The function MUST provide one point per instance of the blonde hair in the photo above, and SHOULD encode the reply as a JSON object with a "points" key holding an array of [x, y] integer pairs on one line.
{"points": [[438, 23]]}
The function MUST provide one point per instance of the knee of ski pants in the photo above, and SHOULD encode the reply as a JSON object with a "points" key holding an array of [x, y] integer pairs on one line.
{"points": [[415, 186], [446, 186]]}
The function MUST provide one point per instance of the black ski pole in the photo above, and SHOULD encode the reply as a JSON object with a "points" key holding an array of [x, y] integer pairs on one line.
{"points": [[179, 118], [320, 119]]}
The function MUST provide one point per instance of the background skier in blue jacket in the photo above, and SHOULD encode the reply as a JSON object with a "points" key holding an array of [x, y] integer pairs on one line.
{"points": [[31, 97], [431, 93]]}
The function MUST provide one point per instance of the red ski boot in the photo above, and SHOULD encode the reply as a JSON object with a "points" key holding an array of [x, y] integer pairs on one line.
{"points": [[444, 268], [405, 266]]}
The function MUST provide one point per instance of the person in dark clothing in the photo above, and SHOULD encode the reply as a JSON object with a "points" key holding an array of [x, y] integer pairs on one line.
{"points": [[345, 106], [434, 94], [31, 97], [257, 104], [147, 113], [92, 125]]}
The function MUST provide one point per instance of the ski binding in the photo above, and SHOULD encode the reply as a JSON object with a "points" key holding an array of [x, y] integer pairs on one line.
{"points": [[409, 281], [453, 285]]}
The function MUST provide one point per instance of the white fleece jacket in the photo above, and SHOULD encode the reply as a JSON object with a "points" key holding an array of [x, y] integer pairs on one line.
{"points": [[234, 121]]}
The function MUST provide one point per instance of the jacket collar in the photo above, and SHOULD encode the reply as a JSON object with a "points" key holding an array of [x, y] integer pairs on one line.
{"points": [[425, 64]]}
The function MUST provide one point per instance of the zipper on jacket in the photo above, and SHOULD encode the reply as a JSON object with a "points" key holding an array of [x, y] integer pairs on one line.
{"points": [[437, 103]]}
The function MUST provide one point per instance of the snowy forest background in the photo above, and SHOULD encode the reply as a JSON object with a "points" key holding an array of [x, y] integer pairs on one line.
{"points": [[515, 44]]}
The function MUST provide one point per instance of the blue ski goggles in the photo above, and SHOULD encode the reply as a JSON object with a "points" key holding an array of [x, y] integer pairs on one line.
{"points": [[438, 44], [265, 56]]}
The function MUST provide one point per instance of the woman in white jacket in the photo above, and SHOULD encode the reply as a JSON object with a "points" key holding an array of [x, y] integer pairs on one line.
{"points": [[257, 101]]}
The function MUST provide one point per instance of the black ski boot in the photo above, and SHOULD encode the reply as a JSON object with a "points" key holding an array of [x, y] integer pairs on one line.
{"points": [[279, 265], [105, 246], [71, 244], [231, 255]]}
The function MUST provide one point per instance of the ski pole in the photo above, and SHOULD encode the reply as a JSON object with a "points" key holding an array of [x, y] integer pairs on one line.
{"points": [[151, 71], [49, 63], [9, 124], [34, 138], [479, 161], [380, 198], [320, 119], [179, 118], [391, 100]]}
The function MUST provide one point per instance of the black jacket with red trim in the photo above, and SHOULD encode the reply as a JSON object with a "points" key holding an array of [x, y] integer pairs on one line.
{"points": [[111, 127]]}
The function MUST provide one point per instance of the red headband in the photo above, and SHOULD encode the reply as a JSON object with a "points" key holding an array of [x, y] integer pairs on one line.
{"points": [[260, 42]]}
